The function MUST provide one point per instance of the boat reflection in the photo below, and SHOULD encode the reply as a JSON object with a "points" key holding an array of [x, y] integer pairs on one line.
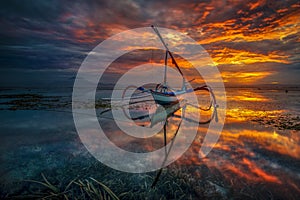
{"points": [[170, 116]]}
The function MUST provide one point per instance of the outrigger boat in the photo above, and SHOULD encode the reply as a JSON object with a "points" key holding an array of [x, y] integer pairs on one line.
{"points": [[163, 93]]}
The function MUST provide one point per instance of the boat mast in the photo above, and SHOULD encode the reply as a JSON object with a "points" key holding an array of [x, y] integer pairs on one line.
{"points": [[166, 57], [165, 73]]}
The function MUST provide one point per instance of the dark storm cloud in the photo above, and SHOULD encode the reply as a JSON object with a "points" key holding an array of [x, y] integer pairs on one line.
{"points": [[56, 34], [30, 35]]}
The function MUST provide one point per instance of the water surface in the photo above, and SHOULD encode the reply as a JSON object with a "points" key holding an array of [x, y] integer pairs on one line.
{"points": [[256, 157]]}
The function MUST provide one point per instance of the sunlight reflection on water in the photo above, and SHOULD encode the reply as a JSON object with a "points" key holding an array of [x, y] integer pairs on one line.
{"points": [[260, 142]]}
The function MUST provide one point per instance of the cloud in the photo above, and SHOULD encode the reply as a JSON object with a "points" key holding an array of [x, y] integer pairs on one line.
{"points": [[234, 56], [58, 34], [244, 77]]}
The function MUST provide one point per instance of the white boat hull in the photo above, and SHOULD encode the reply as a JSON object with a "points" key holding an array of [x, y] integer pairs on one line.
{"points": [[164, 98]]}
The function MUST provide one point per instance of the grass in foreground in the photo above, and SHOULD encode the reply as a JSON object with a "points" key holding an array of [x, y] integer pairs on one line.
{"points": [[75, 189]]}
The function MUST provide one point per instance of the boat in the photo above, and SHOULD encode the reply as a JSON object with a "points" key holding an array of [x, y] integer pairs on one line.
{"points": [[163, 94]]}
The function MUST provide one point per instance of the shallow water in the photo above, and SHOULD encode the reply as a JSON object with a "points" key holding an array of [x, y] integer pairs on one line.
{"points": [[257, 155]]}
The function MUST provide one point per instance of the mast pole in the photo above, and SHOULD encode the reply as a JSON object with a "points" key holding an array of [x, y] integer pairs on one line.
{"points": [[165, 72], [171, 55]]}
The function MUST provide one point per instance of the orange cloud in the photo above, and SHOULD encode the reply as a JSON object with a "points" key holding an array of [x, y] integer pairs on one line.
{"points": [[231, 32], [244, 77], [233, 56], [254, 5]]}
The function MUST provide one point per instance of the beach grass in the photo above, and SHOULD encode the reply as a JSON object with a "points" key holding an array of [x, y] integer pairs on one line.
{"points": [[76, 189]]}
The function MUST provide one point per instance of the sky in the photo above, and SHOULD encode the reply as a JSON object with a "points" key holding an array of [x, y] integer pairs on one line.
{"points": [[250, 41]]}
